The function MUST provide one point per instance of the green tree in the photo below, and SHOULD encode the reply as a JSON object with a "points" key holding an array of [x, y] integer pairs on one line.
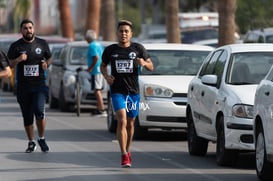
{"points": [[252, 14], [22, 10]]}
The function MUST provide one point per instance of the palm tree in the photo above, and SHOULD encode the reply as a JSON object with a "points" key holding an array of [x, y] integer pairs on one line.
{"points": [[66, 19], [109, 21], [172, 23], [93, 15], [227, 25], [22, 10]]}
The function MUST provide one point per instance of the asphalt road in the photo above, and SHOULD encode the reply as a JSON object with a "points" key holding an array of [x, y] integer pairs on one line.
{"points": [[82, 149]]}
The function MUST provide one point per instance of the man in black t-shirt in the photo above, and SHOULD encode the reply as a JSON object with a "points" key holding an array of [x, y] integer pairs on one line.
{"points": [[31, 57], [5, 70], [125, 59]]}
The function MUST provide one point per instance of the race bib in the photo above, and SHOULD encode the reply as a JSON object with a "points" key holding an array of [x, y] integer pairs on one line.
{"points": [[31, 70], [124, 66]]}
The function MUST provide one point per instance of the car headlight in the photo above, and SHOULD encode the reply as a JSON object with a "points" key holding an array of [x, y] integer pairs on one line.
{"points": [[69, 80], [242, 111], [157, 91]]}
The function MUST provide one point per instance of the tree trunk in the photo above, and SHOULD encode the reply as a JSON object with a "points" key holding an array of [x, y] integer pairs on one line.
{"points": [[172, 22], [66, 19], [93, 15], [108, 20], [227, 25]]}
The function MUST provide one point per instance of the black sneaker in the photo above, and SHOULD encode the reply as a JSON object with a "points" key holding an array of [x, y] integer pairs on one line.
{"points": [[31, 147], [43, 145], [99, 113]]}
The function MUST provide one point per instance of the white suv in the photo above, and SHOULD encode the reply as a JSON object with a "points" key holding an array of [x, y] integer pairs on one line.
{"points": [[221, 98], [263, 127]]}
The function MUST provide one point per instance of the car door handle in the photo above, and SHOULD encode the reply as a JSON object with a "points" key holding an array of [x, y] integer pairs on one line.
{"points": [[202, 93], [267, 93]]}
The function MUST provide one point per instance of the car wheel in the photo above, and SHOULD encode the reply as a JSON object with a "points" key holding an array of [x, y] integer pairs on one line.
{"points": [[224, 157], [53, 102], [263, 166], [111, 119], [5, 87], [78, 98], [140, 132], [63, 104], [196, 145]]}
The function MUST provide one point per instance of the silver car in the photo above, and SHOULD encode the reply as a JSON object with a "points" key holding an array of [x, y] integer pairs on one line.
{"points": [[62, 78]]}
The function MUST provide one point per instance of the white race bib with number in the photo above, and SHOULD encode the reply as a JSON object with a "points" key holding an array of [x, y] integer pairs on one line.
{"points": [[124, 66], [31, 70]]}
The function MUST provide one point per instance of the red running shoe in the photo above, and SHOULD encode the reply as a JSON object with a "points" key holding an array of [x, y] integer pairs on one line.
{"points": [[125, 161], [129, 155]]}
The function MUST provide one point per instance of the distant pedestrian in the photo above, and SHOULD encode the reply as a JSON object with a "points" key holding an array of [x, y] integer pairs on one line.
{"points": [[31, 56], [5, 70], [94, 54], [125, 59]]}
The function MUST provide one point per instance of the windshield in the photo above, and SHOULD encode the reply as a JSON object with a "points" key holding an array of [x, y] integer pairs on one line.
{"points": [[249, 68], [78, 56], [5, 44], [175, 62]]}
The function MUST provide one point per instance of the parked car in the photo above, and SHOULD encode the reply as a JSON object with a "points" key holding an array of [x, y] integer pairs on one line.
{"points": [[164, 90], [62, 77], [221, 98], [263, 127], [55, 51], [193, 35], [263, 35], [188, 36], [7, 84]]}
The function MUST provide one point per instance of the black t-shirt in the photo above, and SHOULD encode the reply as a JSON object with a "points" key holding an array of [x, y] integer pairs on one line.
{"points": [[30, 72], [124, 66], [4, 61]]}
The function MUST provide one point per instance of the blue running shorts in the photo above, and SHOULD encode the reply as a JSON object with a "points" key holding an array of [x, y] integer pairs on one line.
{"points": [[129, 102]]}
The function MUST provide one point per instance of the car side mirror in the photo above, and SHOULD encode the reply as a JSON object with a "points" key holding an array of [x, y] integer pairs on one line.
{"points": [[209, 80]]}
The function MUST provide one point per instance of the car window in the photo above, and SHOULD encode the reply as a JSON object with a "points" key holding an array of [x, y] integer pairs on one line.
{"points": [[78, 56], [269, 39], [210, 67], [251, 37], [5, 44], [56, 51], [220, 65], [197, 35], [249, 68], [270, 75], [62, 55], [175, 62]]}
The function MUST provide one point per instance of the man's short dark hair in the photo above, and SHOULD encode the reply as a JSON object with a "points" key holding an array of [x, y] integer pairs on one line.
{"points": [[25, 21], [125, 22]]}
